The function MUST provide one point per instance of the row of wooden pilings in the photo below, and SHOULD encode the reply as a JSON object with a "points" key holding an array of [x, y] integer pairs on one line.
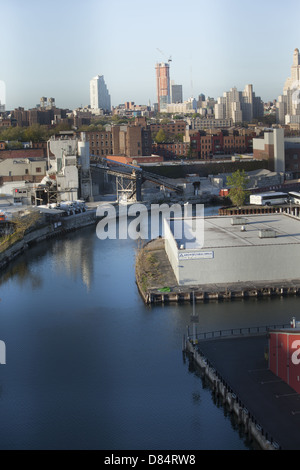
{"points": [[253, 429], [250, 292]]}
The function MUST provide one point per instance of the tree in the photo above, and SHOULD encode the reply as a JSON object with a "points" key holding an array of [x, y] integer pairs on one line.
{"points": [[160, 137], [14, 144], [35, 133], [178, 138], [238, 183], [12, 133]]}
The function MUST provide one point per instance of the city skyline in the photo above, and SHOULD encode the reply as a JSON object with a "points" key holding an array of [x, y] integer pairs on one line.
{"points": [[214, 47]]}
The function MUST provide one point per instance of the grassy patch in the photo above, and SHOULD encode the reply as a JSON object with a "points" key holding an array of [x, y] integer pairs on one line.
{"points": [[147, 269], [22, 224]]}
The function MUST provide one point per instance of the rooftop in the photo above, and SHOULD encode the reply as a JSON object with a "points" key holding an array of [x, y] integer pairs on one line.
{"points": [[250, 230]]}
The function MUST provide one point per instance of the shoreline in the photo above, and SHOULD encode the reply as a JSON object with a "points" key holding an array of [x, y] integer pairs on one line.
{"points": [[49, 231]]}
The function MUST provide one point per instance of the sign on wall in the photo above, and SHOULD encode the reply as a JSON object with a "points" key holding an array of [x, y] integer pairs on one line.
{"points": [[195, 255]]}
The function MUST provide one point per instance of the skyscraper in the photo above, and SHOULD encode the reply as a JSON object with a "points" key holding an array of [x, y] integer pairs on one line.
{"points": [[239, 106], [288, 104], [163, 85], [99, 96], [176, 93]]}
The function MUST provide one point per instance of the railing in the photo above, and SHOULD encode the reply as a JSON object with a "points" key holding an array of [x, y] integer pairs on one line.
{"points": [[252, 330]]}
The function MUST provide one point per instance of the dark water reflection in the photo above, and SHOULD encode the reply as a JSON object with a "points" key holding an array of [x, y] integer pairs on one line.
{"points": [[89, 366]]}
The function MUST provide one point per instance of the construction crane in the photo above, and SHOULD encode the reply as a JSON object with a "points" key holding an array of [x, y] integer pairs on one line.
{"points": [[170, 58]]}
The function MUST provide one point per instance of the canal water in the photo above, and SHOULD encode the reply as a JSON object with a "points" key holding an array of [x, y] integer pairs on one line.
{"points": [[89, 366]]}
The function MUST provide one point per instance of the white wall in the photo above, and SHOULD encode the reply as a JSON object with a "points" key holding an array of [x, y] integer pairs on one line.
{"points": [[171, 248], [17, 167], [242, 264], [279, 151]]}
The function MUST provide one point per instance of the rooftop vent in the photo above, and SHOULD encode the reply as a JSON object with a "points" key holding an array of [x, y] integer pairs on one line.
{"points": [[238, 221], [267, 233]]}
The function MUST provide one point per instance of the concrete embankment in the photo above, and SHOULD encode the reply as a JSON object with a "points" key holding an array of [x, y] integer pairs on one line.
{"points": [[47, 231]]}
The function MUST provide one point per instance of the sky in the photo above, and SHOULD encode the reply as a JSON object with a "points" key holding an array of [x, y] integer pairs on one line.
{"points": [[54, 48]]}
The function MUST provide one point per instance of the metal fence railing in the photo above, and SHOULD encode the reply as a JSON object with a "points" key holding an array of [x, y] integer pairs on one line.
{"points": [[244, 331]]}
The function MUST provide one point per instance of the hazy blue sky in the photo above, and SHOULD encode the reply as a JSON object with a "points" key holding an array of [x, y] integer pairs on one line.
{"points": [[54, 48]]}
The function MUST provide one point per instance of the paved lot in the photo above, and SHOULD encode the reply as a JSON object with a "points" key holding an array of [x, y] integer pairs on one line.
{"points": [[276, 406]]}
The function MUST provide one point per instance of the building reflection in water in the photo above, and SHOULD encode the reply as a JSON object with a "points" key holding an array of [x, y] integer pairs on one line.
{"points": [[22, 273], [74, 257]]}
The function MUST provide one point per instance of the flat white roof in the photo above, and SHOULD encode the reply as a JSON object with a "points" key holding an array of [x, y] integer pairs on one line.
{"points": [[220, 233]]}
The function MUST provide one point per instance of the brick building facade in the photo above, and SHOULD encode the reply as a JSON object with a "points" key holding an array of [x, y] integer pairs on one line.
{"points": [[170, 128], [130, 141], [40, 152], [204, 146], [171, 150]]}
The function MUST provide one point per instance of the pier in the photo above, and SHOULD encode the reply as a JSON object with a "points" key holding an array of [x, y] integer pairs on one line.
{"points": [[157, 283], [266, 408]]}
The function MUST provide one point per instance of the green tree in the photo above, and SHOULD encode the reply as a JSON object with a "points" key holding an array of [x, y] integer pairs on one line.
{"points": [[178, 138], [14, 144], [160, 137], [35, 133], [12, 133], [62, 126], [238, 183]]}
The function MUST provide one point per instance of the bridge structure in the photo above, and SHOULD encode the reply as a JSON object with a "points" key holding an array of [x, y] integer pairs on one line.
{"points": [[129, 178]]}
